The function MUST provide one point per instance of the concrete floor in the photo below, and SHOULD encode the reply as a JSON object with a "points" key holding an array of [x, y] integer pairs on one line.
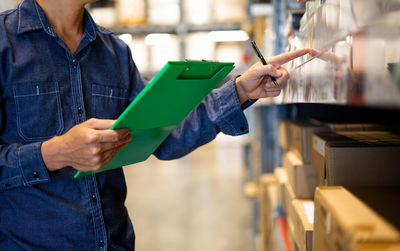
{"points": [[194, 203]]}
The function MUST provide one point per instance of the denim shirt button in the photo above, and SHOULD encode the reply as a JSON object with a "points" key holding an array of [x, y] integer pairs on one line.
{"points": [[36, 175], [101, 244], [80, 112], [74, 63], [94, 199]]}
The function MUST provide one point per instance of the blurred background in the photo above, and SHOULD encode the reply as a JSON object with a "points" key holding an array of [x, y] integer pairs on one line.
{"points": [[232, 194]]}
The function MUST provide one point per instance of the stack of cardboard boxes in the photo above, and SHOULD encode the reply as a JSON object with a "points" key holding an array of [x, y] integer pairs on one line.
{"points": [[302, 181], [344, 222], [357, 162], [267, 196], [341, 180], [356, 158]]}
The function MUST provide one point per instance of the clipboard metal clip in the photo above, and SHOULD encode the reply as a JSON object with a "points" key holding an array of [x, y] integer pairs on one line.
{"points": [[202, 60]]}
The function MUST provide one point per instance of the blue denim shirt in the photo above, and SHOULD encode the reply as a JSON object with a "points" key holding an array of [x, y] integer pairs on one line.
{"points": [[45, 90]]}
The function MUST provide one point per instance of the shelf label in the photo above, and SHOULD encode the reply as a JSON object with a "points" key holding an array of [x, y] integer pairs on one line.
{"points": [[319, 145], [309, 209]]}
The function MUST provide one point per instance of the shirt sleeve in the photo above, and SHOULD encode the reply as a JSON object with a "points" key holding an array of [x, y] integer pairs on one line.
{"points": [[220, 111], [21, 165]]}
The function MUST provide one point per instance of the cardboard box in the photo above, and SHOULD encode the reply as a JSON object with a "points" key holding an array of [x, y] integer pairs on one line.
{"points": [[356, 127], [302, 177], [267, 199], [356, 159], [229, 52], [141, 55], [300, 133], [197, 12], [291, 235], [256, 159], [338, 127], [104, 16], [303, 219], [251, 190], [289, 197], [131, 12], [229, 10], [281, 178], [383, 200], [165, 49], [284, 135], [343, 223], [198, 46], [163, 12], [296, 135]]}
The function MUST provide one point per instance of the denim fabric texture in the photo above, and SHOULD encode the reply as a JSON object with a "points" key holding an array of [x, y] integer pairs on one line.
{"points": [[44, 91]]}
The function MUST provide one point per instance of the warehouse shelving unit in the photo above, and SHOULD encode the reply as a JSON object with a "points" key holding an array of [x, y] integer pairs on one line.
{"points": [[175, 29], [356, 54], [337, 75], [351, 76]]}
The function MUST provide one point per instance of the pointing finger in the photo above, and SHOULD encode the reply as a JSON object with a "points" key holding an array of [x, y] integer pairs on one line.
{"points": [[288, 56]]}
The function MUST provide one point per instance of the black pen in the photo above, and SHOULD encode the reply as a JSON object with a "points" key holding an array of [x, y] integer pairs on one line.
{"points": [[253, 43]]}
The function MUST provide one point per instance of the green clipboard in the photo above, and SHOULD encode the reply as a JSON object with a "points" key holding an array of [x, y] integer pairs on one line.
{"points": [[172, 94]]}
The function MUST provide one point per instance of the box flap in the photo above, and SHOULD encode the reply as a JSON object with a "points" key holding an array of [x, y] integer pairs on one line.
{"points": [[355, 218], [302, 177]]}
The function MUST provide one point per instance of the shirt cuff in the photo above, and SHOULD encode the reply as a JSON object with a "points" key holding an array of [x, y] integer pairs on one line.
{"points": [[233, 120], [248, 103], [31, 164]]}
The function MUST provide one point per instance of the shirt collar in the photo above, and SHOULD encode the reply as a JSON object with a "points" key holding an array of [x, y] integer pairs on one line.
{"points": [[32, 17], [28, 17]]}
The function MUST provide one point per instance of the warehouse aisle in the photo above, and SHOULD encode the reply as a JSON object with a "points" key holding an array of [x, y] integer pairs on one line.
{"points": [[195, 203]]}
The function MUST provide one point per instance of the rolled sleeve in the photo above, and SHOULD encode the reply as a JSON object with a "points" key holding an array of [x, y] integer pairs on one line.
{"points": [[233, 120], [31, 164], [219, 112], [22, 165]]}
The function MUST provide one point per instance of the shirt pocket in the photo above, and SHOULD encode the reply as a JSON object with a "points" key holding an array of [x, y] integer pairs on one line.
{"points": [[38, 110], [108, 102]]}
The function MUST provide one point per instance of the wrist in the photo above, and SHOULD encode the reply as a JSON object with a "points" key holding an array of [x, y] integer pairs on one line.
{"points": [[50, 154], [241, 93]]}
